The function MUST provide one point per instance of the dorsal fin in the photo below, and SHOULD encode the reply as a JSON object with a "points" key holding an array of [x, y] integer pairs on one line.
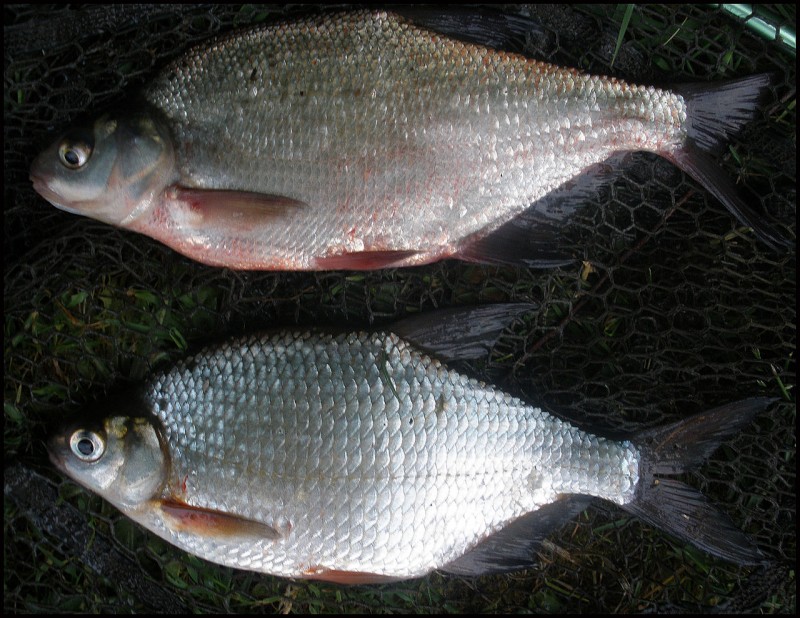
{"points": [[491, 28], [460, 333]]}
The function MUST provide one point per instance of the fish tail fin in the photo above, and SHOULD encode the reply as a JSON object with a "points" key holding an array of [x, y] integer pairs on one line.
{"points": [[715, 113], [678, 508]]}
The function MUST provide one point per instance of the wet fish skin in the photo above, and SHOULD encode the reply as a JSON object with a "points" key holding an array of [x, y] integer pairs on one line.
{"points": [[123, 164], [356, 457], [360, 140]]}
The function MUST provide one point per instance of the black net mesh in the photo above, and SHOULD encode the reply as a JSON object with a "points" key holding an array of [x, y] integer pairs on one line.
{"points": [[675, 309]]}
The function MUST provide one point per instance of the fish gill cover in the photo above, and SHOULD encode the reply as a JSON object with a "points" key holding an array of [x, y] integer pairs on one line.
{"points": [[674, 309]]}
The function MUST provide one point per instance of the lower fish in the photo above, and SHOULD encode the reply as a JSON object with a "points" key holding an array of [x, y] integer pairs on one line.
{"points": [[361, 457], [372, 139]]}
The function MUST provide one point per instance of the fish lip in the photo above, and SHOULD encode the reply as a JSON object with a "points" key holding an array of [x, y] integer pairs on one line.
{"points": [[55, 459], [54, 448], [38, 182], [54, 443], [41, 186]]}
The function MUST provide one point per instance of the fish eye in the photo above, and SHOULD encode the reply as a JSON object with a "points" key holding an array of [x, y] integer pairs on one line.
{"points": [[87, 446], [74, 155]]}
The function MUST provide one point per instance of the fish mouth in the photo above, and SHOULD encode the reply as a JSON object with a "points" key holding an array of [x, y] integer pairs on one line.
{"points": [[55, 459], [42, 187], [38, 182], [55, 449]]}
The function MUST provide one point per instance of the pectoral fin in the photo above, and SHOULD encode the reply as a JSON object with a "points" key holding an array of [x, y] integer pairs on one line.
{"points": [[195, 520], [232, 210]]}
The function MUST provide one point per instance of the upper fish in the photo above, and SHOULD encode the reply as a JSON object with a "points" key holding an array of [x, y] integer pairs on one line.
{"points": [[362, 457], [369, 139]]}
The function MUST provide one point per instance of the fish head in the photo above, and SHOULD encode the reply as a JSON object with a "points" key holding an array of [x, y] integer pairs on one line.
{"points": [[113, 170], [121, 458]]}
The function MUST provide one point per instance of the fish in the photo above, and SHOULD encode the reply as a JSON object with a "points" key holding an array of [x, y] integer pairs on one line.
{"points": [[371, 139], [362, 457]]}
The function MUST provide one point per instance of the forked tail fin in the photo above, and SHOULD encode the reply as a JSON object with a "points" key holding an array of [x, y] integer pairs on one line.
{"points": [[715, 112], [674, 506]]}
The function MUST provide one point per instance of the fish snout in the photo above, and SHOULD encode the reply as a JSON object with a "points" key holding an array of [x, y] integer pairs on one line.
{"points": [[56, 445], [39, 183], [42, 187]]}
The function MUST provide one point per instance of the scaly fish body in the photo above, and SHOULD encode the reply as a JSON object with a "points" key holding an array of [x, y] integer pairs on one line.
{"points": [[351, 457], [450, 142], [361, 140]]}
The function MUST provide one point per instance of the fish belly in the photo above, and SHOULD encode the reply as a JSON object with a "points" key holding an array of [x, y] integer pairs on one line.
{"points": [[364, 454], [395, 138]]}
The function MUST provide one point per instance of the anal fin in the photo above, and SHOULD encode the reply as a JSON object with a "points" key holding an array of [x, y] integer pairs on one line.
{"points": [[364, 260], [514, 547], [338, 576], [537, 238]]}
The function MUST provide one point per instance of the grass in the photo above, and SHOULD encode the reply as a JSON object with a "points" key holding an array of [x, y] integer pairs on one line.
{"points": [[673, 45]]}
